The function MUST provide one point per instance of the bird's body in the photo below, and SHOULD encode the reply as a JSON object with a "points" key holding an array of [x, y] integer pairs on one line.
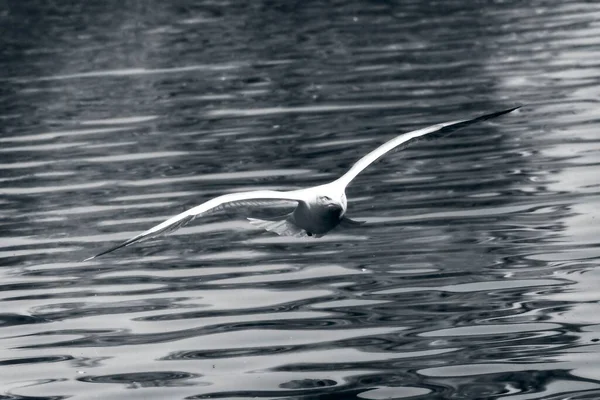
{"points": [[318, 209], [322, 210]]}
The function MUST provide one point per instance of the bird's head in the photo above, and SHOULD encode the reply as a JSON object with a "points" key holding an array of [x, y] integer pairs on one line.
{"points": [[333, 202]]}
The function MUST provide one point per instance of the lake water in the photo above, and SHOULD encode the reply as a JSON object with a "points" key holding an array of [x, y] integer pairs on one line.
{"points": [[475, 277]]}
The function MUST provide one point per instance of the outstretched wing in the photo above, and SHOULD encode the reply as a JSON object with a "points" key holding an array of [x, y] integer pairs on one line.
{"points": [[410, 137], [228, 201]]}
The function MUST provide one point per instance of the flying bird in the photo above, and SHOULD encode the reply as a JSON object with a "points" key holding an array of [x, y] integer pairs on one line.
{"points": [[318, 209]]}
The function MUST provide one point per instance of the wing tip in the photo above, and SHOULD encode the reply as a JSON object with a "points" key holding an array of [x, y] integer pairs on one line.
{"points": [[497, 113], [513, 108], [102, 253], [451, 127], [124, 244]]}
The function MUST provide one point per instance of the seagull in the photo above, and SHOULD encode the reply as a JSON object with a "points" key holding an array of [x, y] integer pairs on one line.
{"points": [[318, 209]]}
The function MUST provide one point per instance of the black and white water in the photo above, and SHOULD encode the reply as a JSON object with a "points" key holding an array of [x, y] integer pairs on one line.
{"points": [[476, 276]]}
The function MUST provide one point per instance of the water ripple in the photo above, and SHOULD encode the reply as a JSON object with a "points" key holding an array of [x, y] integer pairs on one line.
{"points": [[474, 276]]}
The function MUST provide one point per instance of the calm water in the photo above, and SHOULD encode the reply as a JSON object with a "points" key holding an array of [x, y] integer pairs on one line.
{"points": [[475, 277]]}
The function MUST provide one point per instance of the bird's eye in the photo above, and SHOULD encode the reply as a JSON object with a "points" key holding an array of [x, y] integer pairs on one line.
{"points": [[327, 198]]}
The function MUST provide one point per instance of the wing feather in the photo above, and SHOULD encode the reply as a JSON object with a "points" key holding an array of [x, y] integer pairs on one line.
{"points": [[228, 201], [409, 138]]}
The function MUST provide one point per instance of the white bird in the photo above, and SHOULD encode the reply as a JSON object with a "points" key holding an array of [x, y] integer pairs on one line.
{"points": [[318, 210]]}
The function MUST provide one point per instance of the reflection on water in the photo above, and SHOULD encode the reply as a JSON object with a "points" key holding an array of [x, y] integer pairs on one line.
{"points": [[474, 277]]}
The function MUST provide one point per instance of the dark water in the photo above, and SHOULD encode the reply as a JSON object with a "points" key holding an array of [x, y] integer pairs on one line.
{"points": [[475, 277]]}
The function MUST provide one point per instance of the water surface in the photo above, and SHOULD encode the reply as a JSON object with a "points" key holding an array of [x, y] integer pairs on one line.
{"points": [[475, 276]]}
